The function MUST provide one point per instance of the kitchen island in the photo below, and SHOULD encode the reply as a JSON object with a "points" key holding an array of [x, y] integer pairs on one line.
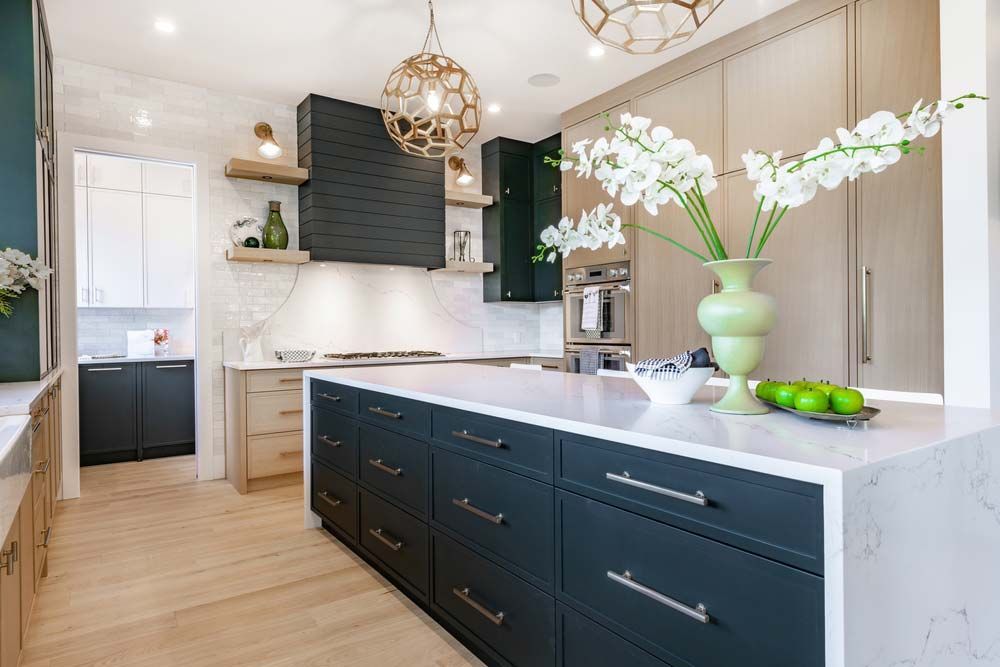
{"points": [[548, 518]]}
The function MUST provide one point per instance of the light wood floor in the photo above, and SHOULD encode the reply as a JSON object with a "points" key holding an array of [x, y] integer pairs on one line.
{"points": [[152, 568]]}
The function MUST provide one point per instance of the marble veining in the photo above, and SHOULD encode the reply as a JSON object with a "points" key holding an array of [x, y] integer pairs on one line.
{"points": [[15, 466]]}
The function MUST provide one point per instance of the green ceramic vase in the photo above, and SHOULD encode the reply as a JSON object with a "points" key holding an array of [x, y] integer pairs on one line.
{"points": [[738, 319], [275, 234]]}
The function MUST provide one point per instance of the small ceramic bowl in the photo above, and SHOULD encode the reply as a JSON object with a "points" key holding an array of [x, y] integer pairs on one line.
{"points": [[294, 356], [673, 392]]}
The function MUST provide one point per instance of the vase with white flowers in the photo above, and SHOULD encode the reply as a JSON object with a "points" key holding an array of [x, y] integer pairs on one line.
{"points": [[649, 165], [18, 272]]}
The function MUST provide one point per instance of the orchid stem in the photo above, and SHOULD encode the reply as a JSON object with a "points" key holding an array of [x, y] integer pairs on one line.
{"points": [[770, 230], [753, 231], [668, 240]]}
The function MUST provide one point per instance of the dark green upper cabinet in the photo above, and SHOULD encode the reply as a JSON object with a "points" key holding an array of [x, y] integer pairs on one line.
{"points": [[527, 199]]}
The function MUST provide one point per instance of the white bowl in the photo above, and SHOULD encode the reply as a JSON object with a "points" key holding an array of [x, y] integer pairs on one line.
{"points": [[673, 392]]}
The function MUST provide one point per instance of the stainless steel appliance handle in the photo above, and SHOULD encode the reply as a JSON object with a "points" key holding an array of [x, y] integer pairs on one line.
{"points": [[465, 435], [465, 595], [330, 500], [698, 612], [866, 354], [386, 539], [378, 463], [385, 413], [332, 443], [696, 498], [104, 369], [469, 507]]}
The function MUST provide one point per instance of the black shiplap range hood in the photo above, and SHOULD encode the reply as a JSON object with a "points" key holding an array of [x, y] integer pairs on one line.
{"points": [[366, 200]]}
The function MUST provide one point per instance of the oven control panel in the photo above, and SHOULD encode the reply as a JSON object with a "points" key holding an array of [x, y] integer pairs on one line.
{"points": [[603, 273]]}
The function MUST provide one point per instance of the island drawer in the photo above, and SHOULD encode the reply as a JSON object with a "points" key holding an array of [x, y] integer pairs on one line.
{"points": [[335, 498], [774, 517], [395, 465], [508, 515], [582, 643], [335, 440], [395, 538], [395, 413], [335, 397], [523, 448], [276, 380], [512, 617], [683, 597], [274, 412]]}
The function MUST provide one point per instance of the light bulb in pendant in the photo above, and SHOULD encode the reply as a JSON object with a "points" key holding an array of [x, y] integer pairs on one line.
{"points": [[433, 100]]}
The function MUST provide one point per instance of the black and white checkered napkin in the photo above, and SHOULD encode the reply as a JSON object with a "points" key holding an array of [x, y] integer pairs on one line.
{"points": [[674, 367]]}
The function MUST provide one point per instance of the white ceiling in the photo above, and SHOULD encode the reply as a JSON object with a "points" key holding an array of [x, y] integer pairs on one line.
{"points": [[281, 51]]}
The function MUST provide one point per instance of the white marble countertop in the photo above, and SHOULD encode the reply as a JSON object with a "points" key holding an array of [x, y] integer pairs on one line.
{"points": [[616, 409], [15, 466], [16, 397], [84, 361], [320, 362]]}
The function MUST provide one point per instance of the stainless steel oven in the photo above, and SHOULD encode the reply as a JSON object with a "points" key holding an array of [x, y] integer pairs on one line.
{"points": [[613, 282], [609, 357]]}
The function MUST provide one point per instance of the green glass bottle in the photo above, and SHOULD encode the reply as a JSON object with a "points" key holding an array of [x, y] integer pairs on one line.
{"points": [[275, 234]]}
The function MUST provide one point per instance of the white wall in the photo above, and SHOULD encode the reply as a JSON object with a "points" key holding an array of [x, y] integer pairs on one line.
{"points": [[102, 330], [102, 102]]}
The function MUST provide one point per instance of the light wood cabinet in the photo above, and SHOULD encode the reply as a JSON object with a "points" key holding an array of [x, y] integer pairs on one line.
{"points": [[26, 558], [581, 194], [274, 412], [10, 596], [899, 211], [789, 92], [278, 454], [668, 283], [809, 279]]}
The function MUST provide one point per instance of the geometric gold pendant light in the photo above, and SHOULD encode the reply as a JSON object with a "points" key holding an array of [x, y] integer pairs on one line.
{"points": [[430, 104], [643, 26]]}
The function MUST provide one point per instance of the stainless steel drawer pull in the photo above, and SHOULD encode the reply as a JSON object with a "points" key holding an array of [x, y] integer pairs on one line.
{"points": [[696, 498], [327, 441], [290, 380], [330, 397], [289, 454], [43, 467], [377, 463], [386, 413], [330, 500], [698, 613], [465, 435], [386, 539], [48, 536], [104, 370], [465, 595], [172, 366], [866, 352], [468, 507]]}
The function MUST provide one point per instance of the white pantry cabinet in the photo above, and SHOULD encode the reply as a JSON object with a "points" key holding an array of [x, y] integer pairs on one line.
{"points": [[83, 293], [115, 173], [115, 230], [169, 242], [162, 178]]}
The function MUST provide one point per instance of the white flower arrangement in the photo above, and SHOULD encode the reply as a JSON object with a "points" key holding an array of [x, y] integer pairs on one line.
{"points": [[18, 272], [656, 168]]}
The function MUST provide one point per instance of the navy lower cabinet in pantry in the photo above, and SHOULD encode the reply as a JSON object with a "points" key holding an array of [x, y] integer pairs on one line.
{"points": [[537, 548]]}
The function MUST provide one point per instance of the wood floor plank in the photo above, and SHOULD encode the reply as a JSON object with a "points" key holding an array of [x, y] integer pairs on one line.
{"points": [[150, 568]]}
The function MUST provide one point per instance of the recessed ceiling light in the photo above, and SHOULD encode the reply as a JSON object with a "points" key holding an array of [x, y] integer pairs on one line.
{"points": [[494, 108], [163, 25], [544, 80], [595, 51]]}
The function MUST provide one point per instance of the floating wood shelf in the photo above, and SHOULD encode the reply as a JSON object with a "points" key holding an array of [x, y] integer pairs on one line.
{"points": [[466, 199], [267, 255], [266, 171], [466, 267]]}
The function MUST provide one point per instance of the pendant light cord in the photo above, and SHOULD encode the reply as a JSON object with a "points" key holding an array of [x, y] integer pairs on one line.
{"points": [[432, 29]]}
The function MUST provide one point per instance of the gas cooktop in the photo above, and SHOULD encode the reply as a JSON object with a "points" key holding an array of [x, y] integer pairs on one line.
{"points": [[397, 354]]}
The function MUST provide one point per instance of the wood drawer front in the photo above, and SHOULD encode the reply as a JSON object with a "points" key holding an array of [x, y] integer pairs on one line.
{"points": [[269, 455], [335, 440], [507, 515], [274, 412], [778, 518], [582, 643], [397, 539], [395, 413], [473, 591], [761, 612], [335, 498], [279, 380], [335, 397], [395, 465], [522, 448]]}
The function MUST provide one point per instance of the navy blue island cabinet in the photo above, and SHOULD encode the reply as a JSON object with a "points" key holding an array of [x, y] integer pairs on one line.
{"points": [[540, 548]]}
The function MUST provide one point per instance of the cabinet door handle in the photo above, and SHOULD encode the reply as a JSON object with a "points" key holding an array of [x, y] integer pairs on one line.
{"points": [[84, 295], [104, 369], [98, 295], [465, 435], [386, 413], [469, 507], [508, 294], [296, 411], [696, 498], [386, 539], [507, 191], [330, 397], [378, 463], [330, 500], [327, 441], [465, 595], [7, 561], [48, 536], [555, 292], [172, 366], [866, 353], [37, 425], [555, 188], [698, 613], [43, 467], [15, 550], [299, 380]]}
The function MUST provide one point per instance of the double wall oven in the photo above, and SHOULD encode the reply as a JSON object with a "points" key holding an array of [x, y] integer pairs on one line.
{"points": [[611, 341]]}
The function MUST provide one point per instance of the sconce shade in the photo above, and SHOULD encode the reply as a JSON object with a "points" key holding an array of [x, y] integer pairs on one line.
{"points": [[464, 176], [269, 148]]}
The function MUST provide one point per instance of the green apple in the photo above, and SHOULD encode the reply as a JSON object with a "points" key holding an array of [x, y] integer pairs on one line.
{"points": [[765, 390], [826, 387], [812, 400], [784, 394], [801, 384], [847, 401]]}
